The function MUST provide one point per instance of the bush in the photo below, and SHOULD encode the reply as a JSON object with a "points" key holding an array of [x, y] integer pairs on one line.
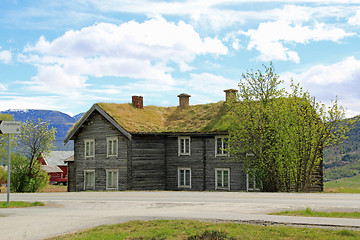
{"points": [[26, 179], [3, 175]]}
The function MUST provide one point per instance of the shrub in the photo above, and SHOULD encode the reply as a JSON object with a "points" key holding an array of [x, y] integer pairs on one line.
{"points": [[26, 179]]}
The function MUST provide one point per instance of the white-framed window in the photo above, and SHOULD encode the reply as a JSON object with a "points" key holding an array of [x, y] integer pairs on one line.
{"points": [[252, 184], [89, 179], [221, 144], [222, 178], [184, 177], [111, 179], [184, 146], [89, 148], [112, 146]]}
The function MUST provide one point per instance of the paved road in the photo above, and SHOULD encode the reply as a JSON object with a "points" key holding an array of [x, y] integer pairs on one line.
{"points": [[67, 212]]}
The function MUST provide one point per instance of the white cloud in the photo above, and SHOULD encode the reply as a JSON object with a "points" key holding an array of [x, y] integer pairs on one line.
{"points": [[355, 20], [3, 87], [325, 82], [340, 73], [5, 56], [16, 102], [132, 49], [206, 87], [272, 38]]}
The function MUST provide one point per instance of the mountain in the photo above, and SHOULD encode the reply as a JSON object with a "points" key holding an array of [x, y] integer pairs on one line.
{"points": [[61, 121]]}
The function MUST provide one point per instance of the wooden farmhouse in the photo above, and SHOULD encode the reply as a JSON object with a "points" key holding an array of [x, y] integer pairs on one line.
{"points": [[136, 147]]}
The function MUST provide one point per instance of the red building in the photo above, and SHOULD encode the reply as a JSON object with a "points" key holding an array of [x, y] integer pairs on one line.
{"points": [[57, 173]]}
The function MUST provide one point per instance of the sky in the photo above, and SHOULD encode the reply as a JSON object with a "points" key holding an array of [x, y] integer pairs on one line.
{"points": [[68, 55]]}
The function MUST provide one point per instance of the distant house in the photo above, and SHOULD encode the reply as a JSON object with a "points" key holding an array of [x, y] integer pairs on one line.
{"points": [[132, 147], [55, 166]]}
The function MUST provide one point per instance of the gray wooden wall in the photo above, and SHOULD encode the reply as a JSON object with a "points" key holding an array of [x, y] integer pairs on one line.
{"points": [[148, 162], [98, 128]]}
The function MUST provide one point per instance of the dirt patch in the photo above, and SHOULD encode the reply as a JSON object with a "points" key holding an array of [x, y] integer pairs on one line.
{"points": [[49, 188], [55, 188]]}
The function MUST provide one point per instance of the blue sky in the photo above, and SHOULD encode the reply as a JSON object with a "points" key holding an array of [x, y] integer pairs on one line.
{"points": [[67, 55]]}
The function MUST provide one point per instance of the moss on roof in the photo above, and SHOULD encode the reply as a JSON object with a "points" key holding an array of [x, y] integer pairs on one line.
{"points": [[201, 118]]}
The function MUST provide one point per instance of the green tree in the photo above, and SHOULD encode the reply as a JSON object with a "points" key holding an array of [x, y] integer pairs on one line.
{"points": [[4, 140], [22, 180], [35, 138], [284, 132], [3, 175]]}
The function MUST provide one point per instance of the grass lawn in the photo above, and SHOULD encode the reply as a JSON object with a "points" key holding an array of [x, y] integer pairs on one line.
{"points": [[310, 213], [344, 185], [194, 230], [20, 204]]}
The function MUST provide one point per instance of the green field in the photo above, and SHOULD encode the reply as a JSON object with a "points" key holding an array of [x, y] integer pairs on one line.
{"points": [[345, 185], [308, 212], [193, 230]]}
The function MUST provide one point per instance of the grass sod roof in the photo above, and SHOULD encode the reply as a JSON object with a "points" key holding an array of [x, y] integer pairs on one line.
{"points": [[203, 118]]}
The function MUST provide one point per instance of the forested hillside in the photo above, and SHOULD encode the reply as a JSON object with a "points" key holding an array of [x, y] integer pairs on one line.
{"points": [[343, 160]]}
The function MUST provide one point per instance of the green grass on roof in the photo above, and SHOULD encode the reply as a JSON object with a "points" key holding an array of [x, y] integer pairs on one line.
{"points": [[152, 119]]}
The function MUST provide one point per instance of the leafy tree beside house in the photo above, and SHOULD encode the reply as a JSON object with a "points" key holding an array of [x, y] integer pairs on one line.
{"points": [[26, 173], [280, 134]]}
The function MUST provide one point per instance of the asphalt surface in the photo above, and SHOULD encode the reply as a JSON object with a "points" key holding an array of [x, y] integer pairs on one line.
{"points": [[69, 212]]}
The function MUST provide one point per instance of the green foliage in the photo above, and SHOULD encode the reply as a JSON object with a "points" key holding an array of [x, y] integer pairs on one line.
{"points": [[26, 173], [4, 139], [187, 229], [284, 131], [3, 175], [15, 204], [36, 138], [26, 179]]}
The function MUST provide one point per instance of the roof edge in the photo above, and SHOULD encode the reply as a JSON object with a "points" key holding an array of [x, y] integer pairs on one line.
{"points": [[94, 107]]}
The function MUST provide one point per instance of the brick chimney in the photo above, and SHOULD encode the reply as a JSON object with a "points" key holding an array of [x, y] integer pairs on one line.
{"points": [[230, 93], [184, 100], [137, 102]]}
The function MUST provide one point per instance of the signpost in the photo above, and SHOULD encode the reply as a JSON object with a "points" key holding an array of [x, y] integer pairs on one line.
{"points": [[9, 127]]}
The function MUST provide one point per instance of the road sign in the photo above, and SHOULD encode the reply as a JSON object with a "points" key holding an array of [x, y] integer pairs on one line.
{"points": [[10, 127]]}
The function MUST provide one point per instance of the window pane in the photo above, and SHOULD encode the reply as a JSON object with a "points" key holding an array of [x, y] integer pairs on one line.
{"points": [[182, 182], [251, 181], [225, 145], [89, 179], [187, 145], [110, 180], [182, 146], [109, 147], [218, 146], [86, 148], [219, 178], [114, 178], [226, 178], [187, 177], [115, 148], [91, 152], [92, 179]]}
